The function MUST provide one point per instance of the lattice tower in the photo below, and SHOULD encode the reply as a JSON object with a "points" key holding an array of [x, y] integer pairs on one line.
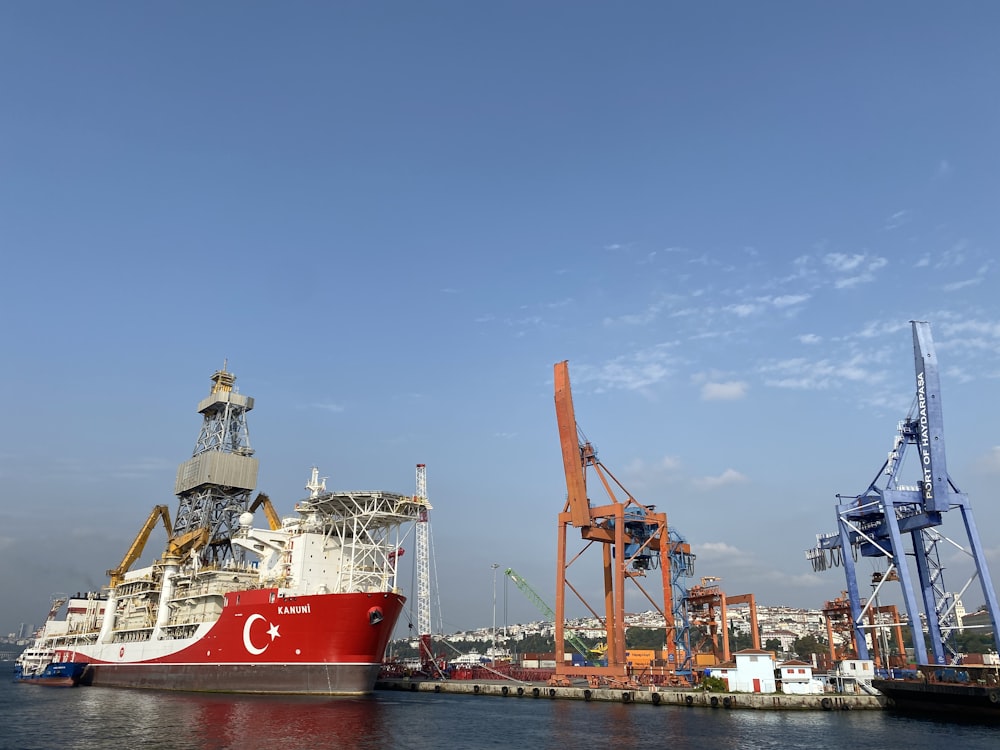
{"points": [[214, 486], [423, 557]]}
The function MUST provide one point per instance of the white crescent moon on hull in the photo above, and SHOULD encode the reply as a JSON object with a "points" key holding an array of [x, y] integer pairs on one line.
{"points": [[247, 643]]}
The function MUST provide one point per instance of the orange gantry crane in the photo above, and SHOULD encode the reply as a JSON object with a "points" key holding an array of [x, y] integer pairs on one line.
{"points": [[633, 539], [840, 629], [708, 605], [842, 638]]}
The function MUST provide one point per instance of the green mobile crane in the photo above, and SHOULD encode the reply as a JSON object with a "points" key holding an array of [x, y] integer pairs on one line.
{"points": [[546, 610]]}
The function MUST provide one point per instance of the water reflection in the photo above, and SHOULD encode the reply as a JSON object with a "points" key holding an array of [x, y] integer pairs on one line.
{"points": [[33, 718], [188, 721]]}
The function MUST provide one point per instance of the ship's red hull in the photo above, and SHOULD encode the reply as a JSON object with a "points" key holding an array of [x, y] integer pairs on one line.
{"points": [[325, 644]]}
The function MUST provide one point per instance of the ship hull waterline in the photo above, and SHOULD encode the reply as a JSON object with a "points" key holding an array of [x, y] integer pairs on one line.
{"points": [[56, 674], [260, 679], [326, 645], [942, 699]]}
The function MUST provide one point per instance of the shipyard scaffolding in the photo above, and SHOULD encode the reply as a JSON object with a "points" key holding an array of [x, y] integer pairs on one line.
{"points": [[213, 487], [634, 540], [892, 520]]}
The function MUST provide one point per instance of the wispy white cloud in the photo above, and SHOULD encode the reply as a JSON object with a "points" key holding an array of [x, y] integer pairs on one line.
{"points": [[727, 478], [639, 474], [881, 329], [642, 317], [956, 286], [728, 391], [788, 300], [762, 304], [786, 579], [743, 310], [800, 373], [860, 267], [747, 566], [528, 321], [686, 312], [957, 330], [898, 219], [955, 255], [958, 375], [989, 463], [661, 305], [980, 276], [809, 338], [666, 464], [843, 263], [712, 335], [670, 463], [640, 370], [721, 549], [327, 406]]}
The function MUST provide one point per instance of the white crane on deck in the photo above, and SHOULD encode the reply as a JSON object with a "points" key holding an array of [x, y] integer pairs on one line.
{"points": [[424, 572]]}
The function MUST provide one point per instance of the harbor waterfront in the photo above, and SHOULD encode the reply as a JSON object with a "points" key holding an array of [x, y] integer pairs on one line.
{"points": [[657, 697], [40, 719]]}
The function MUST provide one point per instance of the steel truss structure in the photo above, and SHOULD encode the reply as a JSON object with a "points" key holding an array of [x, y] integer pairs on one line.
{"points": [[633, 540], [894, 521], [214, 486]]}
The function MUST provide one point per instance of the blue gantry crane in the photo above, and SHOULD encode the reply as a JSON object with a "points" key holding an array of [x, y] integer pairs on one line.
{"points": [[896, 521]]}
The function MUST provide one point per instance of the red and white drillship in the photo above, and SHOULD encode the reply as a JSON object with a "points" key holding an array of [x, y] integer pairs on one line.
{"points": [[304, 606]]}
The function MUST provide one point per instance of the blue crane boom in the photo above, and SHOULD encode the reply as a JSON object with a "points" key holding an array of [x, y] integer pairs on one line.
{"points": [[892, 520]]}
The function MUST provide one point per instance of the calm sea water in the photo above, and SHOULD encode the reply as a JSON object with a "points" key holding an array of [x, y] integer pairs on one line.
{"points": [[102, 718]]}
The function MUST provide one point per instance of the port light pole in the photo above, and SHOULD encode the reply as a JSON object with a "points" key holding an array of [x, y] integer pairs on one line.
{"points": [[495, 566], [506, 636]]}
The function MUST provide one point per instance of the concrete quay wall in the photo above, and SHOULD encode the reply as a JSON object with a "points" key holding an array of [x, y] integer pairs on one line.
{"points": [[664, 697]]}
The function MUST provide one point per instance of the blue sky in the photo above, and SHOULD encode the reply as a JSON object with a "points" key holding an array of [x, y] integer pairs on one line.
{"points": [[393, 218]]}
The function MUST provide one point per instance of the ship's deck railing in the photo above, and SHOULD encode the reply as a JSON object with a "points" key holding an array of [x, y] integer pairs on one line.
{"points": [[381, 508]]}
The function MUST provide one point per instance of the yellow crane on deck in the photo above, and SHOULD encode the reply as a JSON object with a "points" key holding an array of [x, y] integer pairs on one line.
{"points": [[176, 546], [117, 575], [262, 500]]}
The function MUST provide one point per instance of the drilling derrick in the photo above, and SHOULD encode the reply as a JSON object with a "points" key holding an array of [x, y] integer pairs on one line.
{"points": [[892, 520], [423, 571], [633, 540], [214, 486]]}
